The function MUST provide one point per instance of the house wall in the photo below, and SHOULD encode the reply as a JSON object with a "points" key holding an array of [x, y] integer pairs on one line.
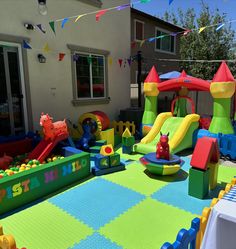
{"points": [[50, 84], [148, 48]]}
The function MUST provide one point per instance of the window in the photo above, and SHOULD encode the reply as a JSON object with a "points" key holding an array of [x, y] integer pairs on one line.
{"points": [[139, 30], [89, 70], [165, 44]]}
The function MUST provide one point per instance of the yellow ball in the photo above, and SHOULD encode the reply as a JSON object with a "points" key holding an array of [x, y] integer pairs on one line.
{"points": [[49, 160], [23, 165], [22, 168], [34, 166]]}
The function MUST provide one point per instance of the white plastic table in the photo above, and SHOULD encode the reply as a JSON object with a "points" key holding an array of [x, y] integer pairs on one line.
{"points": [[221, 227]]}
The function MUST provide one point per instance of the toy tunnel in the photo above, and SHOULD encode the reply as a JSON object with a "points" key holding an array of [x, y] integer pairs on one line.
{"points": [[97, 119]]}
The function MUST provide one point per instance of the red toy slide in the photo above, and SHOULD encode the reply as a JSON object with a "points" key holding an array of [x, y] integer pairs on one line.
{"points": [[43, 149]]}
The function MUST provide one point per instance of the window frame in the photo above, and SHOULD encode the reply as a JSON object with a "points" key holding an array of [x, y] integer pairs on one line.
{"points": [[135, 21], [89, 51], [167, 32]]}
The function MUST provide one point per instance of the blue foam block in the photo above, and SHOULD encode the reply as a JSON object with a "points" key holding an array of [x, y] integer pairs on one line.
{"points": [[98, 172], [69, 151]]}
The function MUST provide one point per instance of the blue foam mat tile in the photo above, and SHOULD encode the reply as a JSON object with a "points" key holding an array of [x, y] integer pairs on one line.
{"points": [[95, 241], [97, 202], [176, 194]]}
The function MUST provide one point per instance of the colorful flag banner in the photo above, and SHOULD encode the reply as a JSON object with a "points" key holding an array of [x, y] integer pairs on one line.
{"points": [[173, 34], [75, 57], [64, 21], [61, 56], [220, 26], [129, 61], [170, 2], [46, 48], [141, 43], [110, 61], [89, 59], [124, 6], [26, 45], [201, 29], [120, 62], [186, 32], [151, 39], [144, 1], [133, 44], [39, 26], [52, 25], [78, 17], [160, 36], [99, 14]]}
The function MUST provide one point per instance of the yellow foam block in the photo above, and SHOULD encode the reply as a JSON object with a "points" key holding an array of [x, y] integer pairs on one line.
{"points": [[107, 150], [107, 135], [213, 174]]}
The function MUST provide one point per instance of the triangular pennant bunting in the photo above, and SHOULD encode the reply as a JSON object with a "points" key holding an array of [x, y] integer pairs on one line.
{"points": [[26, 45], [99, 14], [64, 22], [145, 1], [89, 59], [186, 32], [201, 29], [75, 57], [220, 26], [133, 44], [121, 7], [110, 61], [129, 61], [61, 56], [151, 39], [46, 48], [78, 17], [52, 25], [120, 62], [141, 43], [39, 26]]}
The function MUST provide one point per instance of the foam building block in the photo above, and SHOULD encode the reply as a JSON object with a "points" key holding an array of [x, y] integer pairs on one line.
{"points": [[127, 138], [213, 167], [69, 151], [101, 162], [198, 183], [107, 150], [107, 135], [206, 150], [127, 149], [114, 160]]}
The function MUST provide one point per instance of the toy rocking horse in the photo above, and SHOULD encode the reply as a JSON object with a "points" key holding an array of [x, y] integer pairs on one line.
{"points": [[52, 130], [162, 151]]}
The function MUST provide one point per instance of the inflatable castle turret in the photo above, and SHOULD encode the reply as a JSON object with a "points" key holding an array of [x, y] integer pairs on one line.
{"points": [[151, 92], [222, 89]]}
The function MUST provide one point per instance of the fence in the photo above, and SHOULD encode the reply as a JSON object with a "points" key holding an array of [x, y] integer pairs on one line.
{"points": [[119, 127], [193, 237]]}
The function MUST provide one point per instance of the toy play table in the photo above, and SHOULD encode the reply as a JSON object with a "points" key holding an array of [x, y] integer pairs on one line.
{"points": [[221, 228]]}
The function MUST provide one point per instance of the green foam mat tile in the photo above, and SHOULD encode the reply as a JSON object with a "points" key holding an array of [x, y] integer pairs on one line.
{"points": [[225, 174], [134, 178], [147, 225], [45, 226]]}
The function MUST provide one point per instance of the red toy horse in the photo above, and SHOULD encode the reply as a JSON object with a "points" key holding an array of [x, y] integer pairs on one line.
{"points": [[50, 129], [162, 151]]}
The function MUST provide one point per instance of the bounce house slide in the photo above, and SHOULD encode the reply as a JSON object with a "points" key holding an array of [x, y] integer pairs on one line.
{"points": [[43, 149], [180, 133]]}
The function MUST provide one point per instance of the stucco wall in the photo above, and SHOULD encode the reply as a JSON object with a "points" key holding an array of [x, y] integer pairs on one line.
{"points": [[111, 33]]}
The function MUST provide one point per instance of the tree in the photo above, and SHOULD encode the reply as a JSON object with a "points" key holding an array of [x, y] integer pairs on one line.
{"points": [[207, 45]]}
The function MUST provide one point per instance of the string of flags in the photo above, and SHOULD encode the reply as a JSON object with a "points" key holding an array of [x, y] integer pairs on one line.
{"points": [[218, 26], [75, 57]]}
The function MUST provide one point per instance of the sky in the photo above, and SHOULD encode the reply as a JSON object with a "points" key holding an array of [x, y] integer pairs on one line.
{"points": [[158, 7]]}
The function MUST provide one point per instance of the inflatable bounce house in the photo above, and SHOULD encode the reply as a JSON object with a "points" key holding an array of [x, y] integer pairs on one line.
{"points": [[183, 128]]}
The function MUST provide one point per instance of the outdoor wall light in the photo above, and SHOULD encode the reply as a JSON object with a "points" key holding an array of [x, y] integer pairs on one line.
{"points": [[29, 26], [42, 7], [41, 58]]}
